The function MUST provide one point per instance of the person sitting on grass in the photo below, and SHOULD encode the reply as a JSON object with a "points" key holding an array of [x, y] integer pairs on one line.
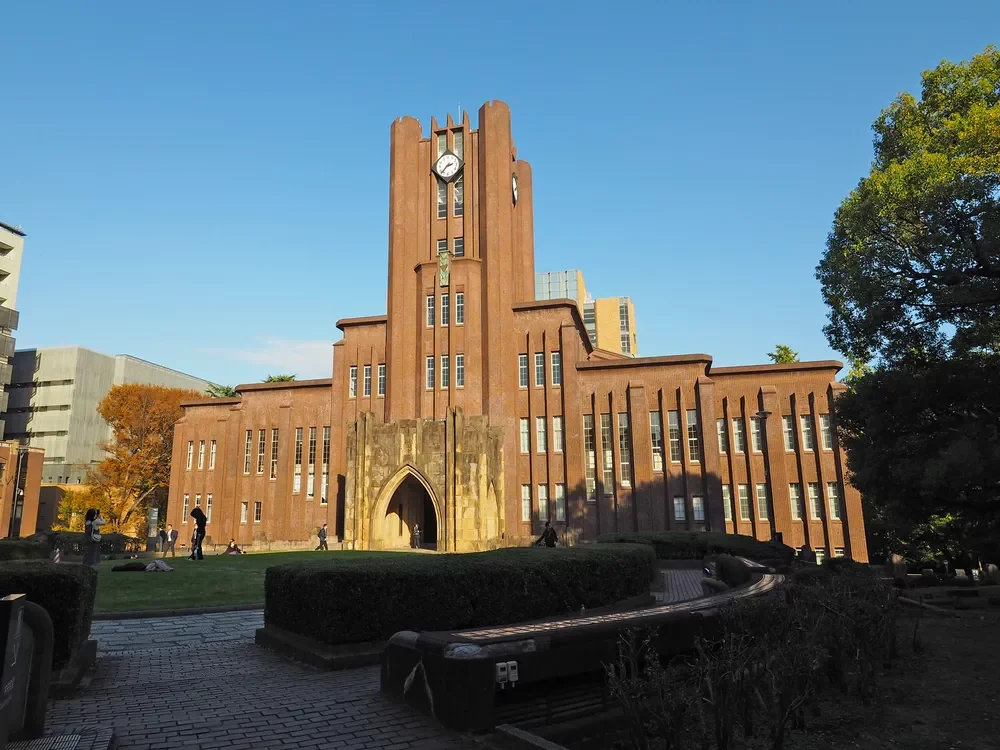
{"points": [[232, 549]]}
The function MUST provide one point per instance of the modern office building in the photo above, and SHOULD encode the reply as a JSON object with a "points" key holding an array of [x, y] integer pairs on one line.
{"points": [[478, 412], [53, 402], [11, 257], [610, 321]]}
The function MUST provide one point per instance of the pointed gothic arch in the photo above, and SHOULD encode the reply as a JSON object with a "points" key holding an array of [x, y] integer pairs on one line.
{"points": [[388, 491]]}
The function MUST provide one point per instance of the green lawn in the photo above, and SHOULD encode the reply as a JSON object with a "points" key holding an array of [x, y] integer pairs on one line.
{"points": [[216, 581]]}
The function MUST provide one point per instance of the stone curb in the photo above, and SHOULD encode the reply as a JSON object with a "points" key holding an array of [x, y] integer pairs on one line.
{"points": [[143, 614]]}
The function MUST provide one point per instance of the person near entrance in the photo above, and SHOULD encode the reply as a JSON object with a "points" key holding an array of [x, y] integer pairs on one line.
{"points": [[322, 538], [200, 519], [170, 542], [548, 537], [415, 542]]}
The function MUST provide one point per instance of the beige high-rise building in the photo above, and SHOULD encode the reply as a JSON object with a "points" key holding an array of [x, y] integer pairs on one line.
{"points": [[610, 321], [11, 254]]}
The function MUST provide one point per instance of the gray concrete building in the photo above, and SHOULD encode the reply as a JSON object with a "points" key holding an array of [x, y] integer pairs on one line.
{"points": [[11, 255], [53, 398]]}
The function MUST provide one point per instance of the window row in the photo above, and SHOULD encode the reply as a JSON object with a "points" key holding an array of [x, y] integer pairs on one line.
{"points": [[244, 508], [442, 377], [805, 436], [528, 504], [541, 435], [431, 307], [366, 383], [458, 195], [255, 456], [624, 436], [201, 455], [834, 500], [457, 247], [555, 368]]}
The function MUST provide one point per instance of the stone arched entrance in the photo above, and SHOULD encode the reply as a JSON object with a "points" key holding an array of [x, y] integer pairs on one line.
{"points": [[406, 503]]}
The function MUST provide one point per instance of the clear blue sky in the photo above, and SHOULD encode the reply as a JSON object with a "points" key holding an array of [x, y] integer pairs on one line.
{"points": [[204, 184]]}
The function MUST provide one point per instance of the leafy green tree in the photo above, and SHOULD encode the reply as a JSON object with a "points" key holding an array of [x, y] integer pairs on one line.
{"points": [[222, 391], [783, 355], [279, 379]]}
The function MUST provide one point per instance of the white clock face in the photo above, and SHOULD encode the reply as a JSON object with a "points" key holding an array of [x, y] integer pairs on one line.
{"points": [[513, 186], [447, 166]]}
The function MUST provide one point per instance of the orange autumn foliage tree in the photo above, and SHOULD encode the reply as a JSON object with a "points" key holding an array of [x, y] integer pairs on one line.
{"points": [[142, 420]]}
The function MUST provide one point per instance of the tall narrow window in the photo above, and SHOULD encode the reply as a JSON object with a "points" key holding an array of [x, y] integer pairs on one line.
{"points": [[459, 150], [744, 494], [257, 511], [445, 371], [430, 310], [556, 368], [607, 456], [560, 502], [826, 431], [525, 436], [352, 386], [324, 496], [442, 199], [625, 449], [727, 502], [208, 508], [442, 246], [190, 458], [543, 502], [243, 511], [274, 453], [808, 439], [756, 434], [720, 427], [381, 380], [442, 144], [833, 497], [656, 438], [460, 196], [247, 452], [674, 433], [201, 454], [694, 444], [539, 368], [430, 372], [680, 508], [698, 507], [541, 439], [261, 443], [460, 247], [445, 310], [297, 477], [815, 504], [459, 308], [366, 384], [788, 428], [763, 503], [187, 501], [522, 370], [197, 501], [557, 434], [590, 456], [211, 456], [795, 500], [459, 370], [820, 555], [525, 502], [739, 436], [311, 476]]}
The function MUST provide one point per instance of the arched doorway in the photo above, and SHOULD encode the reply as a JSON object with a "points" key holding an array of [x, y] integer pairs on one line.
{"points": [[409, 506]]}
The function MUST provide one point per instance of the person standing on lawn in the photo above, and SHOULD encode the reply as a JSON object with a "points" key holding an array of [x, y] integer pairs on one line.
{"points": [[322, 538], [199, 533], [93, 521], [171, 541]]}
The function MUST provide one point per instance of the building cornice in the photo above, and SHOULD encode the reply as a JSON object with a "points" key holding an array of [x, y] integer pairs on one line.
{"points": [[675, 359], [371, 320], [209, 401], [555, 304], [9, 228], [823, 364], [285, 385]]}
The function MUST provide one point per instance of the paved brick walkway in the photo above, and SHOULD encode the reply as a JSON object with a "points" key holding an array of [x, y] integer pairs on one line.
{"points": [[680, 585], [200, 681]]}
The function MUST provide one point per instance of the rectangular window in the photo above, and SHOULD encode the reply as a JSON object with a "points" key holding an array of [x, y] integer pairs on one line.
{"points": [[525, 436], [656, 438], [539, 369], [430, 372], [590, 457], [381, 380], [541, 439], [608, 456], [257, 511], [460, 247], [445, 310], [442, 199], [310, 483], [808, 439], [442, 246], [201, 454], [694, 445], [459, 308], [720, 427], [788, 428], [698, 506], [211, 456], [197, 501], [674, 433], [727, 502], [460, 197], [543, 502], [261, 444], [442, 144], [763, 504], [246, 452], [459, 370], [561, 502], [325, 486], [311, 479], [795, 500], [744, 494], [274, 453], [838, 551], [243, 512], [190, 458], [820, 555], [756, 434], [826, 431], [625, 448], [815, 504], [556, 368], [526, 502], [459, 150], [739, 436], [352, 387], [680, 509], [208, 508], [522, 370], [833, 497], [557, 434], [445, 371], [187, 500], [297, 478], [366, 384], [430, 310]]}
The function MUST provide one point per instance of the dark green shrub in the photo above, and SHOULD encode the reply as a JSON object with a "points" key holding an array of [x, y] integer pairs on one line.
{"points": [[23, 549], [72, 543], [731, 570], [65, 591], [354, 599], [694, 545]]}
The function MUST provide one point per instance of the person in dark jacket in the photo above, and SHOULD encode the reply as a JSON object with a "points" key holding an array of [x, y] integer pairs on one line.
{"points": [[199, 533], [322, 538], [548, 537]]}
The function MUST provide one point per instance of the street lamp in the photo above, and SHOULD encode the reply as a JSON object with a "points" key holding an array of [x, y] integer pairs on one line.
{"points": [[762, 415]]}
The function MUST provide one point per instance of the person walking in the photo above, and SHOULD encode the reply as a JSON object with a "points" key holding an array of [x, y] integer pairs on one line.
{"points": [[170, 542], [322, 538], [199, 533], [548, 537], [93, 521]]}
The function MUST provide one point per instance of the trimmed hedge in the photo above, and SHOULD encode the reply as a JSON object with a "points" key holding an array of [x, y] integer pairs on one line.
{"points": [[349, 599], [67, 594], [694, 545], [23, 549]]}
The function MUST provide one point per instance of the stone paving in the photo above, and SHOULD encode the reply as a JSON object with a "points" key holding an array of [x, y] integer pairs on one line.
{"points": [[200, 682], [680, 585]]}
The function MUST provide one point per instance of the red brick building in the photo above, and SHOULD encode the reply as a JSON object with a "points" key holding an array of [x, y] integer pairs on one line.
{"points": [[476, 412]]}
